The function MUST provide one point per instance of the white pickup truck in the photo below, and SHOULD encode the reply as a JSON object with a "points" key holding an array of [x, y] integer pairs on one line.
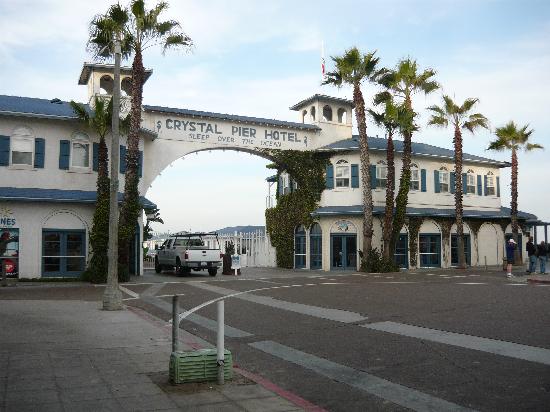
{"points": [[185, 251]]}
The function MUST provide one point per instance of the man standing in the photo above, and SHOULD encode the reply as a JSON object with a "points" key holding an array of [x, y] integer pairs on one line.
{"points": [[510, 248], [531, 253], [541, 253]]}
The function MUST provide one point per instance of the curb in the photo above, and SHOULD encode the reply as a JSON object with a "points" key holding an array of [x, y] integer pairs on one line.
{"points": [[540, 281]]}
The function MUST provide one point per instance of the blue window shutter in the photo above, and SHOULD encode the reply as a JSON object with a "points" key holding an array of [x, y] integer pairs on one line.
{"points": [[423, 180], [122, 167], [373, 180], [140, 163], [280, 188], [464, 182], [452, 183], [437, 188], [354, 175], [498, 186], [4, 150], [64, 154], [479, 187], [39, 147], [330, 177], [485, 185], [95, 157]]}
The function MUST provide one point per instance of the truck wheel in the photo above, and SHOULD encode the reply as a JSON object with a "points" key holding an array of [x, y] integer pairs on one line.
{"points": [[212, 271], [158, 266], [179, 269]]}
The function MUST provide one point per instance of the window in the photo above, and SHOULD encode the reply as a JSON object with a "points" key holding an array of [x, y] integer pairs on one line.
{"points": [[9, 251], [342, 175], [304, 115], [80, 151], [471, 182], [22, 147], [381, 175], [342, 115], [490, 185], [443, 180], [415, 178], [63, 252], [312, 113], [327, 113], [300, 247], [316, 249], [285, 178]]}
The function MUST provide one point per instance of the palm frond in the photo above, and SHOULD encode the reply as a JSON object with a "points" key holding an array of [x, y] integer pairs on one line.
{"points": [[468, 104], [382, 97], [498, 145], [80, 112], [533, 146]]}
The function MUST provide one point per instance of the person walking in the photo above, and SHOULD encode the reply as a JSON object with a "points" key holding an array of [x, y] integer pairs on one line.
{"points": [[542, 253], [532, 255], [510, 248]]}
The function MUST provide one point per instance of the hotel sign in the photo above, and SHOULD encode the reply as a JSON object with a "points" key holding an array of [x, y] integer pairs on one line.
{"points": [[231, 134], [6, 218]]}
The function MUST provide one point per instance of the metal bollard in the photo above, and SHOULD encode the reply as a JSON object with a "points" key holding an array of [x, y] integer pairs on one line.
{"points": [[175, 323], [220, 343], [486, 263]]}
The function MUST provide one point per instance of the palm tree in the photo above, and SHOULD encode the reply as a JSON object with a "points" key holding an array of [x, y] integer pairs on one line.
{"points": [[393, 118], [352, 68], [137, 29], [402, 83], [459, 117], [510, 137], [99, 121]]}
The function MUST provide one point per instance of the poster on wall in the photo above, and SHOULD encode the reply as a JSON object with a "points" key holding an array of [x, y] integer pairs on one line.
{"points": [[9, 251]]}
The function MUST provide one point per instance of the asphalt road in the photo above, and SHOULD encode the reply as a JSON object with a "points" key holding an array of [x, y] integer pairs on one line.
{"points": [[430, 340]]}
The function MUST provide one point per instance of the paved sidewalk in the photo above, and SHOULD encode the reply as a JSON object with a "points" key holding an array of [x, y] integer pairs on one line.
{"points": [[72, 356]]}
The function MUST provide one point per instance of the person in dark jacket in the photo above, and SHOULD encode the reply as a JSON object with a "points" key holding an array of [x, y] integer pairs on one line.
{"points": [[510, 249], [531, 253], [541, 254]]}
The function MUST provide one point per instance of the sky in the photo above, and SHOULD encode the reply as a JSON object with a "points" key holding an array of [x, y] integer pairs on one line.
{"points": [[258, 58]]}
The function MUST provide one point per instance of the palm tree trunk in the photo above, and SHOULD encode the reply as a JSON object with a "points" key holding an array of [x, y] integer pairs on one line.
{"points": [[514, 204], [404, 184], [458, 198], [390, 191], [130, 205], [365, 170]]}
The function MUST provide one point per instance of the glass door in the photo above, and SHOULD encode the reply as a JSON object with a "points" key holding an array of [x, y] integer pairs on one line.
{"points": [[454, 250], [63, 253], [401, 255], [430, 250], [343, 252]]}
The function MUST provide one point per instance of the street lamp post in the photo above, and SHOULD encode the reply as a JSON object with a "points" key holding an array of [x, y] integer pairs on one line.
{"points": [[112, 297]]}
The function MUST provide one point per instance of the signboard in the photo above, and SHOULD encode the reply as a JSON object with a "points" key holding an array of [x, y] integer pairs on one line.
{"points": [[226, 133], [235, 261], [6, 218]]}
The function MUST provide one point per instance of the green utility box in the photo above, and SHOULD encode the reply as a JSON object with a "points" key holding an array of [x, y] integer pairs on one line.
{"points": [[198, 366]]}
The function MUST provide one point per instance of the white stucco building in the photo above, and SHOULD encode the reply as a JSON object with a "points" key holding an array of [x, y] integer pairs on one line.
{"points": [[48, 172]]}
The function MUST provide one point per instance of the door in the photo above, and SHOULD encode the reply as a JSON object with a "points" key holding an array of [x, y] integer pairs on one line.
{"points": [[315, 247], [401, 255], [63, 253], [430, 250], [300, 247], [454, 250], [343, 252]]}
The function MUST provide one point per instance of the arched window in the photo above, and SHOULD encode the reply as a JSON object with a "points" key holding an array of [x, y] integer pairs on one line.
{"points": [[312, 113], [444, 180], [106, 84], [342, 115], [415, 177], [126, 86], [470, 182], [327, 113], [315, 246], [304, 115], [342, 173], [80, 151], [300, 247], [381, 174], [22, 147], [490, 184]]}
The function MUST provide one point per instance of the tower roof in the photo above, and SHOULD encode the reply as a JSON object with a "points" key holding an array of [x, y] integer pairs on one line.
{"points": [[89, 68], [324, 98]]}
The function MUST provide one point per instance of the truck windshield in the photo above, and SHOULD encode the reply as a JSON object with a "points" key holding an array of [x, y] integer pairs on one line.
{"points": [[197, 242]]}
